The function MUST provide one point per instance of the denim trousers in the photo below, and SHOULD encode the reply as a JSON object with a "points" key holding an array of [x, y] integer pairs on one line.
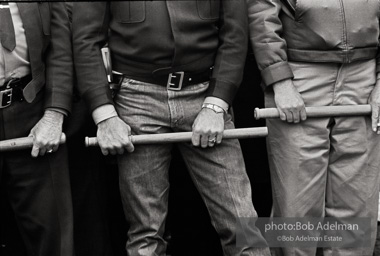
{"points": [[327, 167], [218, 173]]}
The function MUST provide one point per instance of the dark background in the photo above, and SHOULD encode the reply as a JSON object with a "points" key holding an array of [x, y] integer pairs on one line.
{"points": [[100, 228]]}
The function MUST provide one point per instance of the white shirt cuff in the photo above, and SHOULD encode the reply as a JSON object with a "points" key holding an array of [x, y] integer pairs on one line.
{"points": [[103, 112], [217, 101], [59, 110]]}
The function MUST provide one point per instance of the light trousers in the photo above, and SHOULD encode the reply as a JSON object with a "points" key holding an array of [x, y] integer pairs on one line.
{"points": [[326, 166]]}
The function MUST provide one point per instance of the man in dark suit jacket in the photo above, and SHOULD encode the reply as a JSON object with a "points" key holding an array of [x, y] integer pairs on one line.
{"points": [[35, 89]]}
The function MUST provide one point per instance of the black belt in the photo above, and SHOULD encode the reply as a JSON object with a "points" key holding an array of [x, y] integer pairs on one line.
{"points": [[12, 90], [173, 81]]}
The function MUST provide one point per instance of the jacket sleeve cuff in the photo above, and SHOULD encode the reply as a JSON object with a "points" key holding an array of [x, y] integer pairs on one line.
{"points": [[58, 99], [276, 72], [222, 90], [98, 97]]}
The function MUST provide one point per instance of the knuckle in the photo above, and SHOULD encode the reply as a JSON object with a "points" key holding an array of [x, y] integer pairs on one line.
{"points": [[114, 147], [196, 130], [125, 142], [204, 131]]}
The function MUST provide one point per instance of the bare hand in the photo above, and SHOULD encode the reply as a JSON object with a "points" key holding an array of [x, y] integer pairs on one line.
{"points": [[47, 133], [208, 128], [113, 136], [374, 101], [289, 102]]}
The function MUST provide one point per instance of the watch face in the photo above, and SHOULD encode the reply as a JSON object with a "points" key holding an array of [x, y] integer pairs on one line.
{"points": [[219, 110]]}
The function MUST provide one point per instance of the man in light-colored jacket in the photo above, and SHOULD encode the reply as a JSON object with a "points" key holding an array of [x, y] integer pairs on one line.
{"points": [[320, 53]]}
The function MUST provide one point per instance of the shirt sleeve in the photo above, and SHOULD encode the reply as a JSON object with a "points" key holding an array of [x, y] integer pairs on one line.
{"points": [[103, 112]]}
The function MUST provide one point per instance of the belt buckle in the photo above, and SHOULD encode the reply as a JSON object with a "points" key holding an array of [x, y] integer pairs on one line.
{"points": [[175, 81], [6, 98]]}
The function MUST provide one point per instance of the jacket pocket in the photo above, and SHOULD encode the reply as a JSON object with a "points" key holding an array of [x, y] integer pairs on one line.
{"points": [[44, 9], [208, 9], [128, 11]]}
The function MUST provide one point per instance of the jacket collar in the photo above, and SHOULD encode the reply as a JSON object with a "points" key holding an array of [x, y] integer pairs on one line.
{"points": [[290, 6], [292, 3]]}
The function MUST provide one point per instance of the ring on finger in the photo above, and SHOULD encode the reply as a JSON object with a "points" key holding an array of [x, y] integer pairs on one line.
{"points": [[49, 151], [213, 140]]}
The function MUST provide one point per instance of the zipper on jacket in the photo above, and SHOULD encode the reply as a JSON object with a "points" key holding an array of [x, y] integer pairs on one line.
{"points": [[345, 36]]}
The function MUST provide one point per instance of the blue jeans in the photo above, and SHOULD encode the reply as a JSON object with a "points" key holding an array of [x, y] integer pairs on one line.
{"points": [[218, 173]]}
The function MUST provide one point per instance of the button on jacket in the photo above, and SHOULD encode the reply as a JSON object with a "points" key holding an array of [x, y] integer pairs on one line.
{"points": [[338, 31], [159, 37]]}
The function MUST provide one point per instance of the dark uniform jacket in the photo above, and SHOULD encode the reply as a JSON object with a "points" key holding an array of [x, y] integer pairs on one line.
{"points": [[159, 37], [339, 31], [51, 61]]}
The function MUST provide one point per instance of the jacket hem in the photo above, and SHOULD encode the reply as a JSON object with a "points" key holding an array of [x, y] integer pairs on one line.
{"points": [[339, 56]]}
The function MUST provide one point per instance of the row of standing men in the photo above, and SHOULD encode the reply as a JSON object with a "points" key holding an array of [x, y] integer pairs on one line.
{"points": [[178, 65]]}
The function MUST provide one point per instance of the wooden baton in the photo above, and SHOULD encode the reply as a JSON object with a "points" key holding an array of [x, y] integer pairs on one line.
{"points": [[327, 111], [242, 133], [22, 143]]}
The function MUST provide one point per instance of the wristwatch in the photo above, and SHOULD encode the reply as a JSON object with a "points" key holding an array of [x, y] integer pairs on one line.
{"points": [[215, 108]]}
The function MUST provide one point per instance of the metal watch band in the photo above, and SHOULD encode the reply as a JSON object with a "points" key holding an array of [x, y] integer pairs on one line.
{"points": [[213, 107]]}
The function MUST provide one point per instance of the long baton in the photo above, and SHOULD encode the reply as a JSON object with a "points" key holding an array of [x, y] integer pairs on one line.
{"points": [[327, 111], [242, 133], [22, 143]]}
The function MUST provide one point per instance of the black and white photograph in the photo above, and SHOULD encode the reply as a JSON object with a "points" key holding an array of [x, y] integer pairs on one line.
{"points": [[190, 128]]}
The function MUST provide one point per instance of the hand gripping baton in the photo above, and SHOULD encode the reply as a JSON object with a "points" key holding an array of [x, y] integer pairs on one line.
{"points": [[22, 143], [242, 133], [327, 111]]}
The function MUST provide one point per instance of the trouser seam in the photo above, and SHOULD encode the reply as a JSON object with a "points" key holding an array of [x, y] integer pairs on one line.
{"points": [[190, 170], [337, 85]]}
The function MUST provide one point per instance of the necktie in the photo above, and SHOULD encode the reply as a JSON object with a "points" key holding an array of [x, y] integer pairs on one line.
{"points": [[7, 32]]}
